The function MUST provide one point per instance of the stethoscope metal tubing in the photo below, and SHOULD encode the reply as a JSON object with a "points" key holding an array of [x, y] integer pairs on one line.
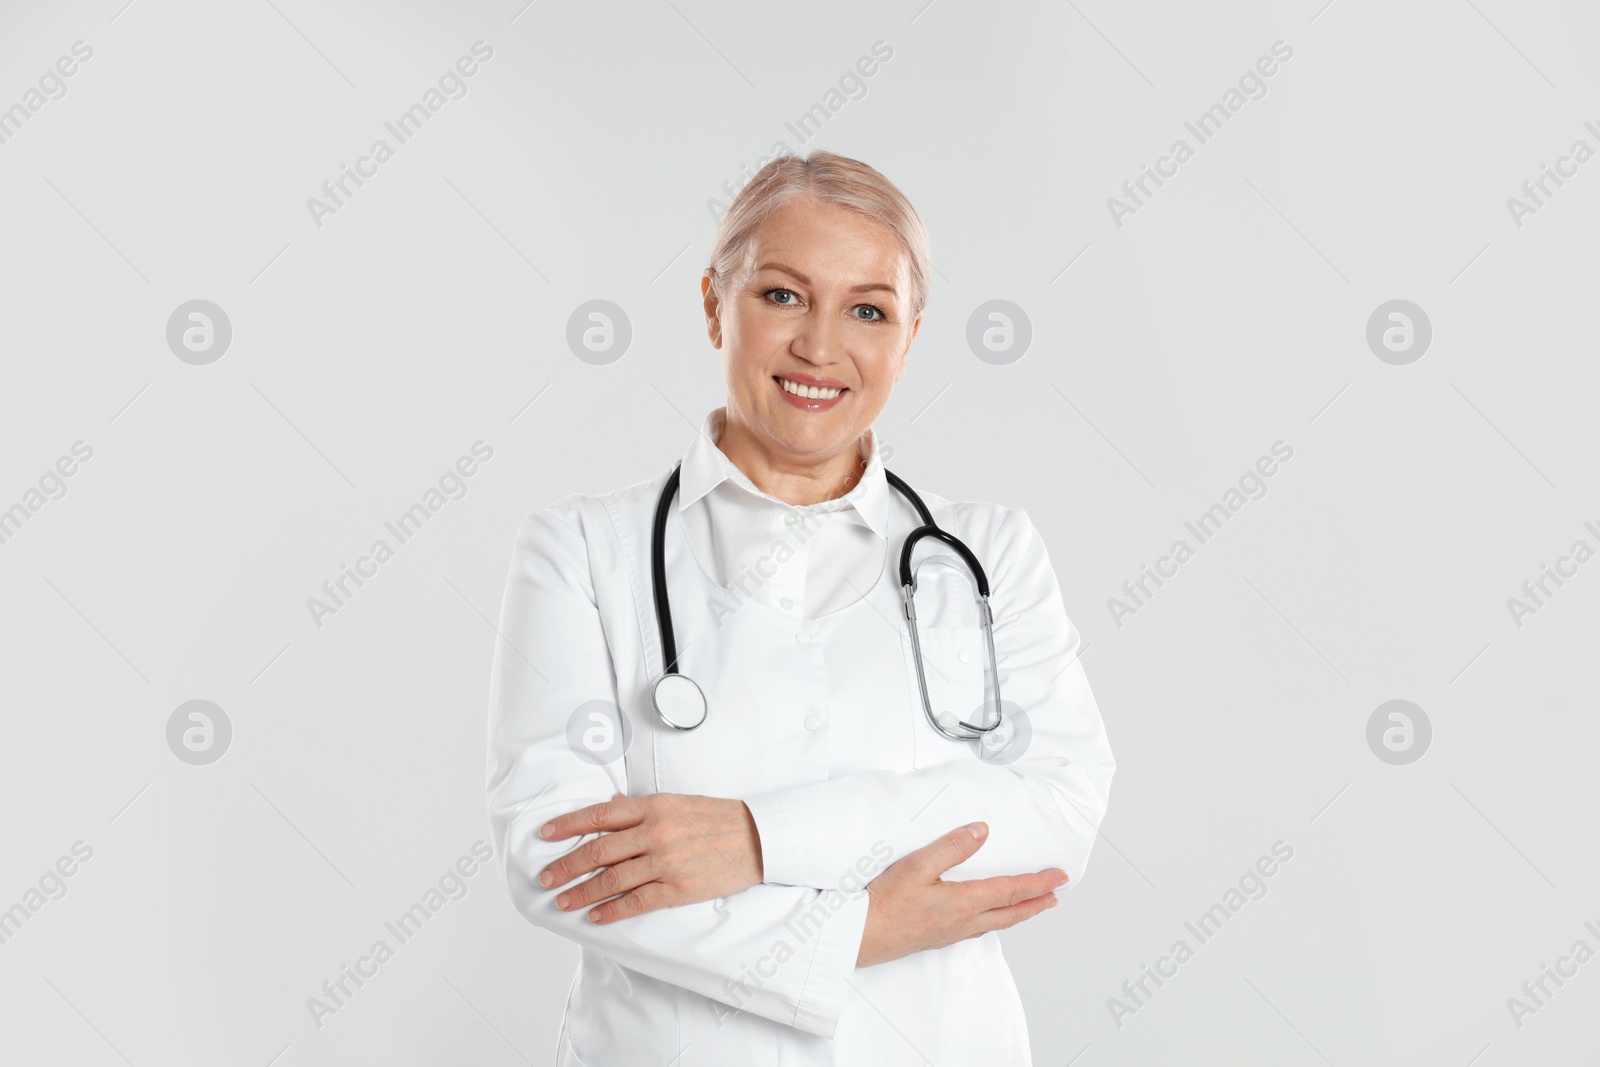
{"points": [[986, 622]]}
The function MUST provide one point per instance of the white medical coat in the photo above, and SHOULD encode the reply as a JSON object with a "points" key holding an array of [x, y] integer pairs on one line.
{"points": [[818, 725]]}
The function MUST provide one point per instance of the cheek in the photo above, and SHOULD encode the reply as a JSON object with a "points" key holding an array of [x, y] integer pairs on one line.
{"points": [[753, 330], [882, 365], [745, 352]]}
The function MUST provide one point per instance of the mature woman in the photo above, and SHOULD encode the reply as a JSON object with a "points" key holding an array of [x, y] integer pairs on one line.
{"points": [[813, 872]]}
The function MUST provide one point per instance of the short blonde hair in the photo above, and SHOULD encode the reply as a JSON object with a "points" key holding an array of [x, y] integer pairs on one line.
{"points": [[831, 179]]}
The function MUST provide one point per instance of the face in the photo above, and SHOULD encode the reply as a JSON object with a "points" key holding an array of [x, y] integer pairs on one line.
{"points": [[822, 300]]}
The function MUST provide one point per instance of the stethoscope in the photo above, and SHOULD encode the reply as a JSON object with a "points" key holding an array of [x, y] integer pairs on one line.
{"points": [[681, 703]]}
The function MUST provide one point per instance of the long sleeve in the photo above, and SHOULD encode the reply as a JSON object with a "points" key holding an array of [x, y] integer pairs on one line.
{"points": [[785, 953], [1043, 807]]}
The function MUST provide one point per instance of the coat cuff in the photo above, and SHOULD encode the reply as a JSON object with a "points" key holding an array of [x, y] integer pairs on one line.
{"points": [[783, 847], [828, 987]]}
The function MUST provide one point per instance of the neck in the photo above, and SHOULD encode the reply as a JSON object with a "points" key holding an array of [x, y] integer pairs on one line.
{"points": [[792, 479]]}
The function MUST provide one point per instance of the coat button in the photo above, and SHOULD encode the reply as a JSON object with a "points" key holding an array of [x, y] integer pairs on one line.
{"points": [[786, 603], [789, 518], [812, 722], [803, 637], [964, 655]]}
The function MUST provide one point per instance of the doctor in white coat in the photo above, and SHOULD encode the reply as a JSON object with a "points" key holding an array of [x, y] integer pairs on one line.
{"points": [[815, 874]]}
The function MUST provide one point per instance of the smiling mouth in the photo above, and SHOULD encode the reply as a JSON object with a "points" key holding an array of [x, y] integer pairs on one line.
{"points": [[808, 392]]}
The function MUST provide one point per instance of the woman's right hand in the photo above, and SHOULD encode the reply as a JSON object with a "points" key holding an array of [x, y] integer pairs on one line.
{"points": [[911, 908]]}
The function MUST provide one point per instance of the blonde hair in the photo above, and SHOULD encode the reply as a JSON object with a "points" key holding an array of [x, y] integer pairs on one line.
{"points": [[831, 179]]}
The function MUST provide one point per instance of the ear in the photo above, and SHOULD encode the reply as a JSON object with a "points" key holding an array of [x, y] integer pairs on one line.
{"points": [[709, 301], [916, 324]]}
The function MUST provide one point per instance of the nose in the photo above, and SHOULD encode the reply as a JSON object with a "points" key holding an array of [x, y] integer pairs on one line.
{"points": [[819, 339]]}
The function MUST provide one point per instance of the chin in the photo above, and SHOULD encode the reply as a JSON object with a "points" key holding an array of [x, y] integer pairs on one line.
{"points": [[814, 438]]}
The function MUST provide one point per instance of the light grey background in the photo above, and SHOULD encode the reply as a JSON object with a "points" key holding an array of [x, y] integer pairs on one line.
{"points": [[1168, 354]]}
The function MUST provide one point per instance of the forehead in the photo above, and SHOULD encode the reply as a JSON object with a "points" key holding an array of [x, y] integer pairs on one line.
{"points": [[811, 235]]}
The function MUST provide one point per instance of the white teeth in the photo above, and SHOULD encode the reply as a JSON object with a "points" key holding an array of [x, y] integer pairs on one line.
{"points": [[810, 392]]}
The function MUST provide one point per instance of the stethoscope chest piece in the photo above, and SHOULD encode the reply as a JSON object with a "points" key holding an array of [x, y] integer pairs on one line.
{"points": [[679, 701]]}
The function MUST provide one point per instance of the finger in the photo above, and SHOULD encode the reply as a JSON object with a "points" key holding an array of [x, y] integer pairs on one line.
{"points": [[1007, 889], [618, 813], [647, 897], [603, 851], [608, 883], [1012, 914], [940, 855]]}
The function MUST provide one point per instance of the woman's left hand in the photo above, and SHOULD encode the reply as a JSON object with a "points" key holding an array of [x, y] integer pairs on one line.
{"points": [[658, 851]]}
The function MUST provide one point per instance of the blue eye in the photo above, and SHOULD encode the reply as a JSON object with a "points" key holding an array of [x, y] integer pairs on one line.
{"points": [[876, 316], [782, 303]]}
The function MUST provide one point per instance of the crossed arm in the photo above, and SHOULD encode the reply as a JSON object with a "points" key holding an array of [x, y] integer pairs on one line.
{"points": [[739, 873], [666, 850]]}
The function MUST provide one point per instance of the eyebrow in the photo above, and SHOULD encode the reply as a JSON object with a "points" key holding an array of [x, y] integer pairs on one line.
{"points": [[803, 280]]}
